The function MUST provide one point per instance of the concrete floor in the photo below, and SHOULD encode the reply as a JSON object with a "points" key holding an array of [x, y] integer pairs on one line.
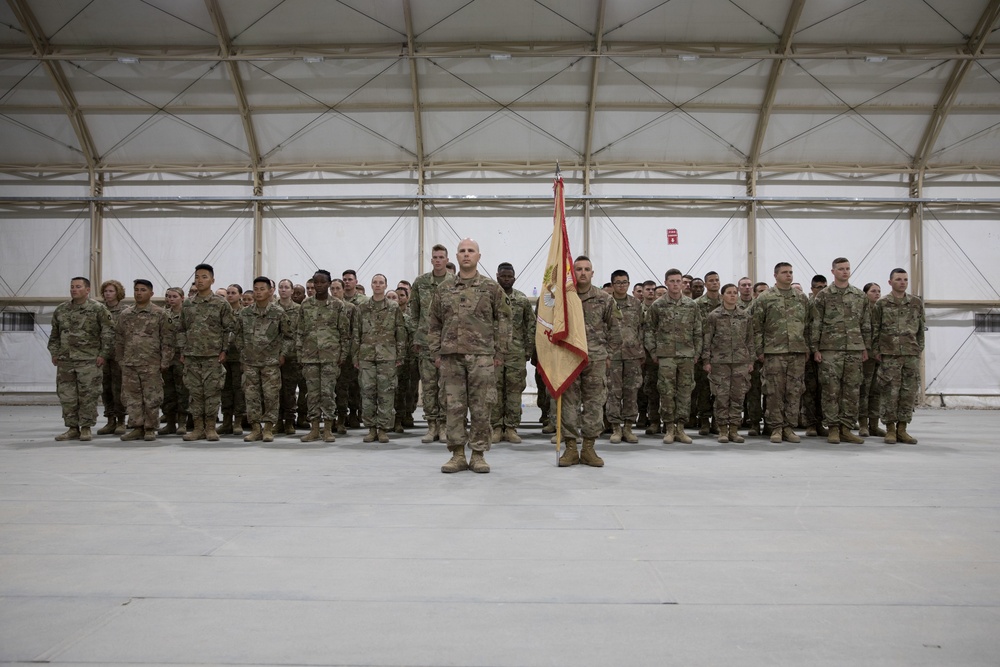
{"points": [[117, 553]]}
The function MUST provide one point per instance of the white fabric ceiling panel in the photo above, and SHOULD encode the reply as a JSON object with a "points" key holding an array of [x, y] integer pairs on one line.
{"points": [[297, 242], [954, 355], [50, 185], [165, 139], [254, 22], [324, 184], [846, 185], [511, 20], [26, 82], [960, 255], [844, 138], [164, 246], [535, 136], [855, 82], [677, 184], [672, 81], [39, 139], [963, 186], [500, 82], [496, 184], [335, 137], [58, 250], [329, 83], [125, 21], [160, 184], [695, 20], [8, 18], [981, 85], [668, 136], [150, 85], [864, 22], [968, 139]]}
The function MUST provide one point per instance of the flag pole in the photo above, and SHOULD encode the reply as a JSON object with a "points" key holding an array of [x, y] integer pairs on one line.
{"points": [[558, 427]]}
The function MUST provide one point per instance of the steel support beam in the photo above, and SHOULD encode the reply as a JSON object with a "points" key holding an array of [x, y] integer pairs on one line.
{"points": [[418, 132]]}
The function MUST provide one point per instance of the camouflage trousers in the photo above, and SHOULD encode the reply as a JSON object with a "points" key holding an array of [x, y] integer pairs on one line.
{"points": [[650, 389], [204, 377], [142, 391], [730, 383], [111, 393], [583, 402], [291, 376], [512, 378], [470, 386], [175, 394], [812, 406], [624, 380], [868, 398], [379, 380], [675, 382], [899, 385], [78, 386], [302, 404], [348, 389], [542, 399], [432, 389], [233, 401], [701, 394], [752, 409], [407, 384], [783, 382], [840, 384], [321, 381], [262, 391]]}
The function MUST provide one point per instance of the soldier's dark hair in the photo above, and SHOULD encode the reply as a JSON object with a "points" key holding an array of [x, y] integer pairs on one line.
{"points": [[672, 272], [86, 281], [450, 265], [895, 271], [688, 276], [618, 273], [349, 272], [581, 258], [818, 278], [840, 260], [756, 285], [337, 280], [263, 279], [711, 273], [648, 283], [727, 286], [142, 281], [238, 287], [325, 273], [437, 247], [383, 277], [403, 288], [867, 287], [205, 267], [405, 282], [504, 265], [605, 285], [781, 265]]}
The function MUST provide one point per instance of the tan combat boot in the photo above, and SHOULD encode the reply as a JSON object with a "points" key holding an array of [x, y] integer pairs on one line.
{"points": [[811, 431], [822, 431], [627, 434], [890, 433], [734, 433], [680, 435], [724, 434], [289, 427], [197, 432], [397, 427], [788, 435], [477, 462], [847, 436], [150, 435], [833, 436], [134, 434], [863, 427], [616, 434], [341, 424], [182, 420], [71, 433], [588, 456], [431, 436], [901, 434], [108, 428], [328, 435], [85, 435], [457, 462], [383, 436], [254, 435], [171, 425], [776, 435], [372, 435], [571, 456], [267, 435], [313, 434], [495, 435], [227, 424], [237, 424], [706, 426], [511, 436], [668, 436], [873, 428], [210, 433]]}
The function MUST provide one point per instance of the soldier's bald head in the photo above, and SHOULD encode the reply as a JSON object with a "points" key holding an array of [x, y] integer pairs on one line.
{"points": [[467, 242]]}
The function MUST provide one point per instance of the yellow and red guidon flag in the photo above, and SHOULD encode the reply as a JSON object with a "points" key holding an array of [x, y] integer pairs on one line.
{"points": [[560, 337]]}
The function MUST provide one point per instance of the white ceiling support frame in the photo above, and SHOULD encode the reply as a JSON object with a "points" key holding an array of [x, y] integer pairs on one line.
{"points": [[418, 132], [588, 149]]}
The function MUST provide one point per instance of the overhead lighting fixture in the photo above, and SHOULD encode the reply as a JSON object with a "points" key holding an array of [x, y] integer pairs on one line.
{"points": [[687, 57], [313, 59], [128, 60], [876, 59], [499, 56]]}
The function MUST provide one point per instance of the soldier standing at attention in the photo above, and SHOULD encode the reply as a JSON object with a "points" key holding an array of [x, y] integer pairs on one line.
{"points": [[589, 391], [898, 342], [301, 403], [840, 336], [291, 374], [144, 347], [512, 374], [781, 319], [409, 373], [343, 386], [420, 309], [868, 412], [673, 334], [206, 326], [379, 348], [80, 342], [625, 376], [233, 401], [728, 355], [348, 386], [113, 292], [322, 342], [175, 396], [701, 399], [812, 408], [468, 329]]}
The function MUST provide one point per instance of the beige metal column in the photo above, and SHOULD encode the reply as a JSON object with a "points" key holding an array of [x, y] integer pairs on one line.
{"points": [[917, 260], [752, 224], [418, 129], [96, 232], [258, 225]]}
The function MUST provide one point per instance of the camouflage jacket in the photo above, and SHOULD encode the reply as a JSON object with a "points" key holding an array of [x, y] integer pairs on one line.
{"points": [[745, 305], [522, 326], [629, 312], [421, 297], [706, 305], [292, 311], [898, 326], [600, 316], [81, 333], [324, 332], [206, 326], [352, 324], [728, 337], [840, 320], [144, 337], [379, 332], [232, 350], [673, 328], [173, 321], [263, 337], [116, 312], [780, 322], [357, 300], [469, 316]]}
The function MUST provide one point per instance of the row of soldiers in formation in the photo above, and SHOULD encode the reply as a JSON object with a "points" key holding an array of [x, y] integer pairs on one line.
{"points": [[668, 351]]}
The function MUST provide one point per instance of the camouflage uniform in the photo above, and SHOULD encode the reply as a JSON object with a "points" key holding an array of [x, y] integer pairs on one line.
{"points": [[111, 394], [728, 347], [206, 325], [650, 378], [468, 327], [512, 374], [348, 384], [625, 376], [899, 337], [868, 400], [233, 400], [752, 410], [408, 377], [841, 331], [379, 342], [673, 335], [812, 406], [175, 395], [144, 341], [589, 391], [80, 334], [421, 297], [323, 339], [701, 397], [780, 323], [291, 373], [263, 337]]}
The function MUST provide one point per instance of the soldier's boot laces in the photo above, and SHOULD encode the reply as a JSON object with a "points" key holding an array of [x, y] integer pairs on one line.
{"points": [[108, 428], [289, 427], [788, 435], [267, 434], [254, 435], [549, 427], [495, 435], [902, 436], [383, 436], [776, 435], [456, 463], [372, 435], [847, 436], [734, 433], [431, 434], [668, 436], [120, 426], [890, 433], [72, 433], [170, 427], [680, 435], [197, 431], [588, 455], [150, 435], [833, 436], [227, 424], [85, 435], [210, 433], [812, 432], [627, 434], [724, 434], [510, 435], [328, 435], [874, 429], [616, 434], [134, 434], [238, 425], [863, 427], [313, 434], [571, 456], [477, 462], [187, 425]]}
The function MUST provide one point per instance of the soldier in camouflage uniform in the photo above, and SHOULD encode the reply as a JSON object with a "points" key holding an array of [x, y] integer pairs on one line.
{"points": [[840, 337], [348, 384], [175, 396], [323, 340], [701, 398], [81, 339], [344, 380], [868, 412], [264, 338], [301, 403], [752, 411], [673, 334], [589, 391], [625, 376], [378, 350], [781, 320], [898, 342], [468, 328], [144, 347], [204, 332], [408, 382], [728, 354], [233, 402], [430, 375], [291, 374], [512, 374], [113, 293], [812, 408], [649, 399]]}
